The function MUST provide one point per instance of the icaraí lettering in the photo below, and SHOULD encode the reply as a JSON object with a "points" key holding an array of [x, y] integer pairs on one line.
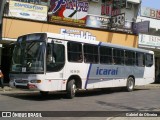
{"points": [[101, 71]]}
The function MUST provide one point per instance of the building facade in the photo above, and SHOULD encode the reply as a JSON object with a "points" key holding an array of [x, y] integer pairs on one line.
{"points": [[151, 39]]}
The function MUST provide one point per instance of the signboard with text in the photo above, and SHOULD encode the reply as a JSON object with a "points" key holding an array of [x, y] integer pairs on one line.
{"points": [[27, 10], [141, 27], [69, 11], [98, 22], [118, 21], [149, 12], [149, 40]]}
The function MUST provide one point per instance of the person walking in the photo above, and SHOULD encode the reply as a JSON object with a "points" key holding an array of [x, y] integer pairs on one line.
{"points": [[1, 79]]}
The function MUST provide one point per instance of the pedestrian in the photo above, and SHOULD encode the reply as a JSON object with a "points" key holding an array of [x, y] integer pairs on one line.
{"points": [[1, 79]]}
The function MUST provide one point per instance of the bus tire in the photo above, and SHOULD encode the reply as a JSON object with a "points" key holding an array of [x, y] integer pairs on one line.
{"points": [[130, 84], [71, 89]]}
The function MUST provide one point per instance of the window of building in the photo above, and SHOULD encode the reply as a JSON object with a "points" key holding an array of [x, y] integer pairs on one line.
{"points": [[74, 52], [91, 53]]}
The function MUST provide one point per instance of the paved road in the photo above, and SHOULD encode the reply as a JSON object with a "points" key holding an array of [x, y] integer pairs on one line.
{"points": [[142, 99]]}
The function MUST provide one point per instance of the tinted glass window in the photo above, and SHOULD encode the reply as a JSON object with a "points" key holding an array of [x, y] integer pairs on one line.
{"points": [[118, 56], [105, 55], [91, 53], [149, 60], [129, 58], [140, 59], [55, 57], [74, 52]]}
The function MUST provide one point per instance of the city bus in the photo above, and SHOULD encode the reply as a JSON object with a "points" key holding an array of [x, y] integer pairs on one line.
{"points": [[54, 62]]}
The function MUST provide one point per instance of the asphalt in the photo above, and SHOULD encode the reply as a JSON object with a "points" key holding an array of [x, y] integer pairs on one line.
{"points": [[8, 89], [149, 86]]}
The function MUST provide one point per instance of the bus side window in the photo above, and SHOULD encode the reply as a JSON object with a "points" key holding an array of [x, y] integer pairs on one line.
{"points": [[118, 56], [74, 52], [129, 58], [105, 55], [140, 59], [91, 53], [149, 60]]}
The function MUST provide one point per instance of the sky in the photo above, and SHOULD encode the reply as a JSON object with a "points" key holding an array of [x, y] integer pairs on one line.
{"points": [[151, 3]]}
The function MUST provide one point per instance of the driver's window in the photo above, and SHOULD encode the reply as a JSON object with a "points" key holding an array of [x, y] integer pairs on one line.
{"points": [[50, 54], [55, 57]]}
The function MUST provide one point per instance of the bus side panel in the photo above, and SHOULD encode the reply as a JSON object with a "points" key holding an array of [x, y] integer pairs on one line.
{"points": [[105, 75], [149, 75], [75, 69], [53, 81]]}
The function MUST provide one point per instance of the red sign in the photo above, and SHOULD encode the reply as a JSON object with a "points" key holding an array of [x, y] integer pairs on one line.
{"points": [[67, 11], [107, 9]]}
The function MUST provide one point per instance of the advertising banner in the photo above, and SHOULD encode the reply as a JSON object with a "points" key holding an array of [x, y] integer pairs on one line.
{"points": [[118, 21], [98, 22], [149, 12], [149, 40], [27, 10], [141, 27], [69, 11]]}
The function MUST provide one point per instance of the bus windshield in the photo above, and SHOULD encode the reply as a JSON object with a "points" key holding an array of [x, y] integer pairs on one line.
{"points": [[28, 57]]}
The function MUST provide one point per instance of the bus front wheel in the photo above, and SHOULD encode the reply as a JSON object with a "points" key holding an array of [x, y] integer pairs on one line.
{"points": [[71, 89], [130, 84]]}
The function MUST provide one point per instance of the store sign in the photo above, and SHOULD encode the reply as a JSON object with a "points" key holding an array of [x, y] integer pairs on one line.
{"points": [[69, 11], [27, 10], [118, 21], [149, 40], [112, 7], [141, 27], [151, 13], [77, 34], [98, 22]]}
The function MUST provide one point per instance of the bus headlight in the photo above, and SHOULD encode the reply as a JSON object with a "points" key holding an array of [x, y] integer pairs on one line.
{"points": [[35, 81]]}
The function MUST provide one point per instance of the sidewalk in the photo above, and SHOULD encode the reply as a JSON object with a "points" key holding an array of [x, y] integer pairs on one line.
{"points": [[150, 86]]}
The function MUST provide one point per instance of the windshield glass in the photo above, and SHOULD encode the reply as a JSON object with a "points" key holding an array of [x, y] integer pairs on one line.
{"points": [[28, 57]]}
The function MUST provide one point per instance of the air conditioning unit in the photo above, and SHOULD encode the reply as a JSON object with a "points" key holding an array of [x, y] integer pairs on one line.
{"points": [[95, 0], [129, 5]]}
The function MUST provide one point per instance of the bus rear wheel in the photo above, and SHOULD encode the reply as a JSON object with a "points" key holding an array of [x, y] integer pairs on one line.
{"points": [[130, 84], [71, 89]]}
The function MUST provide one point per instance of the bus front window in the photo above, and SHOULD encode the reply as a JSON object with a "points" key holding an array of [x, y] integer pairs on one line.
{"points": [[28, 57], [55, 57]]}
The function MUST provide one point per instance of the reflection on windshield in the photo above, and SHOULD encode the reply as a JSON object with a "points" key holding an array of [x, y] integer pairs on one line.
{"points": [[28, 57]]}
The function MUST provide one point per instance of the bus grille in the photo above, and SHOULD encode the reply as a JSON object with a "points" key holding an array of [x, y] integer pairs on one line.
{"points": [[21, 81]]}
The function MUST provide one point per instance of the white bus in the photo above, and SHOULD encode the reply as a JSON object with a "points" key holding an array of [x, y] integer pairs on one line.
{"points": [[54, 62]]}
